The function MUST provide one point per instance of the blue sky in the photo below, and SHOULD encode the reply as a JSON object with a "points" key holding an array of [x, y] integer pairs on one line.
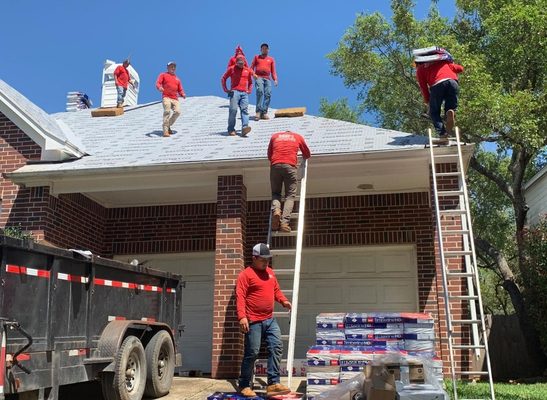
{"points": [[52, 47]]}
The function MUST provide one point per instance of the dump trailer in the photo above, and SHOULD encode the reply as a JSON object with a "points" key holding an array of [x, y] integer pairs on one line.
{"points": [[68, 316]]}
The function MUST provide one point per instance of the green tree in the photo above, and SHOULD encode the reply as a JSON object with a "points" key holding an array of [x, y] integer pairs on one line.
{"points": [[339, 109], [503, 47]]}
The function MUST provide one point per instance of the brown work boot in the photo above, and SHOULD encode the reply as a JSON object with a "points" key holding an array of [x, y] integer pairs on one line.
{"points": [[245, 130], [232, 133], [257, 116], [166, 133], [442, 140], [277, 389], [265, 116], [248, 392], [450, 121], [276, 219], [284, 227]]}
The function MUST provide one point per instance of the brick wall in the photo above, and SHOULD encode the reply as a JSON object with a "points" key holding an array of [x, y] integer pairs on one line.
{"points": [[229, 262]]}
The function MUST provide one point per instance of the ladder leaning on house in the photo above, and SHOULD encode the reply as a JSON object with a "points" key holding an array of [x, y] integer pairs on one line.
{"points": [[463, 237], [294, 272]]}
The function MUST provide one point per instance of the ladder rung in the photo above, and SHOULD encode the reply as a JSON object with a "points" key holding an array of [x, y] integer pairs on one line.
{"points": [[281, 234], [468, 346], [466, 321], [455, 232], [283, 252], [450, 193], [455, 253], [283, 271], [295, 215], [446, 155], [459, 297], [281, 314], [284, 337], [473, 372], [448, 173], [460, 274], [453, 212]]}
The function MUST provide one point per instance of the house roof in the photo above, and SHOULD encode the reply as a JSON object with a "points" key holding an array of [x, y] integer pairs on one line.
{"points": [[54, 137], [134, 139], [536, 178]]}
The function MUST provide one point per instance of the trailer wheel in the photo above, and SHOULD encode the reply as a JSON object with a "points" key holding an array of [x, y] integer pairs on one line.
{"points": [[160, 360], [129, 378]]}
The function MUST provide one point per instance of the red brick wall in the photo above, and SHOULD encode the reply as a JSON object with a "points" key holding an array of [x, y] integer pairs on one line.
{"points": [[229, 262]]}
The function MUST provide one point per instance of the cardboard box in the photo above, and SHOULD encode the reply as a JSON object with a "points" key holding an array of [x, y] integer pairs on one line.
{"points": [[416, 373]]}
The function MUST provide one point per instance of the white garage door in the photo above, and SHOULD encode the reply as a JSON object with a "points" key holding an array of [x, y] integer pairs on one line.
{"points": [[362, 279], [197, 310]]}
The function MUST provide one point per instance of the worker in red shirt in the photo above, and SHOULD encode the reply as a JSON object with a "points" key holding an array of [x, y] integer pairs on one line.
{"points": [[241, 84], [256, 291], [438, 82], [233, 59], [122, 79], [263, 66], [282, 153], [171, 88]]}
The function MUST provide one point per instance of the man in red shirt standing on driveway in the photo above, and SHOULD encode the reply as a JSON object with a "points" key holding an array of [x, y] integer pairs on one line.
{"points": [[282, 153], [439, 83], [171, 88], [263, 66], [241, 84], [121, 78], [256, 291]]}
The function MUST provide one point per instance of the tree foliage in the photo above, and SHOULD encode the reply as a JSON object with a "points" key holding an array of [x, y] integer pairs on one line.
{"points": [[339, 109], [503, 46]]}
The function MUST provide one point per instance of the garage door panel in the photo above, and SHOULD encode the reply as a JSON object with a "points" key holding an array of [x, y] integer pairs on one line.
{"points": [[398, 294], [362, 264], [327, 294], [326, 266], [394, 262], [198, 294], [362, 294]]}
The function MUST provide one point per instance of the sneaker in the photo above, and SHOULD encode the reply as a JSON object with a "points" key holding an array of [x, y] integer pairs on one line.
{"points": [[232, 133], [245, 130], [166, 133], [284, 227], [450, 121], [265, 116], [257, 116], [276, 219], [277, 389], [248, 392]]}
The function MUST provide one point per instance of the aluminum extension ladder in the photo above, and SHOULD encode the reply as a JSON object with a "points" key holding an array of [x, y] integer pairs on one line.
{"points": [[290, 338], [471, 292]]}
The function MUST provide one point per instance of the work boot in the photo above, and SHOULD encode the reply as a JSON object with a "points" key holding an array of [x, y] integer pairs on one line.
{"points": [[265, 116], [277, 389], [450, 121], [166, 133], [245, 130], [442, 140], [170, 131], [119, 105], [248, 392], [232, 133], [284, 227], [257, 116], [276, 219]]}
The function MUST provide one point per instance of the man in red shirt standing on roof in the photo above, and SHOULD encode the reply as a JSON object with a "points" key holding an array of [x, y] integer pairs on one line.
{"points": [[438, 82], [282, 153], [121, 78], [171, 88], [241, 84], [263, 66], [256, 291]]}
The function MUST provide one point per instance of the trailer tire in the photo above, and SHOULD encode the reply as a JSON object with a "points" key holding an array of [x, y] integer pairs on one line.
{"points": [[160, 360], [129, 378]]}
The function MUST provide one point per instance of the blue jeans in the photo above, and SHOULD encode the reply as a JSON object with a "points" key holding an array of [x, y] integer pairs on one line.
{"points": [[121, 94], [270, 332], [241, 100], [263, 94], [447, 92]]}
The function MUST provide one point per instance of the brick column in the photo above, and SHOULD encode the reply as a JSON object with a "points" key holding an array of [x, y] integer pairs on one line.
{"points": [[229, 261]]}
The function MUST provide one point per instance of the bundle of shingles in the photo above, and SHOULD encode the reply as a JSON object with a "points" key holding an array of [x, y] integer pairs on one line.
{"points": [[431, 54]]}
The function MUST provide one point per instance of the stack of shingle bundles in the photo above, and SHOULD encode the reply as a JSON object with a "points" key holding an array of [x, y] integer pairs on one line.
{"points": [[330, 329], [419, 333], [380, 330], [431, 54], [353, 360], [77, 101], [323, 369]]}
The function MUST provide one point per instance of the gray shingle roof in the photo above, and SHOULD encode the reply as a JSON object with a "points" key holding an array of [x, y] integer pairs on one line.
{"points": [[135, 138]]}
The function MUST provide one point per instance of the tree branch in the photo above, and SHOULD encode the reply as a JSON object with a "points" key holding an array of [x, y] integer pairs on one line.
{"points": [[497, 179], [501, 262]]}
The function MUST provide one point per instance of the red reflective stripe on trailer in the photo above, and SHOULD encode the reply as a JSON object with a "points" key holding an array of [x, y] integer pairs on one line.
{"points": [[115, 318], [77, 352], [170, 290], [145, 319], [20, 270], [20, 357], [2, 357], [72, 278]]}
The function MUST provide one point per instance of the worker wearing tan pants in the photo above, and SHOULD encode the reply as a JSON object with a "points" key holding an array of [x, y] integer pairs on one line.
{"points": [[171, 88], [168, 117]]}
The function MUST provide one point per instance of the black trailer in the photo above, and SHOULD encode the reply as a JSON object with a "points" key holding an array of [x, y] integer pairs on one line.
{"points": [[67, 318]]}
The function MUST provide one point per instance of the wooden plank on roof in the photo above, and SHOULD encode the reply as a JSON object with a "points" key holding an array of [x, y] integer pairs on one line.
{"points": [[107, 112], [290, 112]]}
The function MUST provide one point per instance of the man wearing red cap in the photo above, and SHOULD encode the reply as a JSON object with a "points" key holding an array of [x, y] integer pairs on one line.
{"points": [[241, 84], [122, 79], [257, 290], [171, 88], [238, 52]]}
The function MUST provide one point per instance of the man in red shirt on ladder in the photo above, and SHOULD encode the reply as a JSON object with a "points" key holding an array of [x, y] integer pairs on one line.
{"points": [[256, 291]]}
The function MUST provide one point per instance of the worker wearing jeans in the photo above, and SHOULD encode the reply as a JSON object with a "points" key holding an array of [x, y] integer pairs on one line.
{"points": [[256, 291], [241, 84]]}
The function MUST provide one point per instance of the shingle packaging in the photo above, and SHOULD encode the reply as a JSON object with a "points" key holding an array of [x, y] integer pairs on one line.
{"points": [[431, 54]]}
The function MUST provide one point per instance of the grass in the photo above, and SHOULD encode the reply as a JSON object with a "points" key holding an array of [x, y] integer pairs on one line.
{"points": [[503, 391]]}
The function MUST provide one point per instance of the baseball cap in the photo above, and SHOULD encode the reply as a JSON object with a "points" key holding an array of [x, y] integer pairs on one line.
{"points": [[172, 63], [262, 251]]}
